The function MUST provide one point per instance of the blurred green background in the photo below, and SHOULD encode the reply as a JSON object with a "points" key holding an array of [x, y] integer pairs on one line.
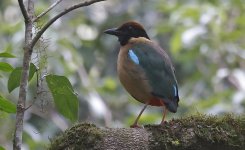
{"points": [[205, 39]]}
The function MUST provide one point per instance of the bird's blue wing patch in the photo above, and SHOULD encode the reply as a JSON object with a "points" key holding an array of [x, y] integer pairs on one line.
{"points": [[133, 57], [175, 90]]}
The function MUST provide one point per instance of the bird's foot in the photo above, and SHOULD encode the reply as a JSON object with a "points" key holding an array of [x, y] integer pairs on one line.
{"points": [[163, 123], [136, 126]]}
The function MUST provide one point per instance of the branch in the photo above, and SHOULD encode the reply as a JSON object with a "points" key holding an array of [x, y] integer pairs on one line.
{"points": [[23, 10], [45, 12], [50, 22], [194, 132], [18, 133]]}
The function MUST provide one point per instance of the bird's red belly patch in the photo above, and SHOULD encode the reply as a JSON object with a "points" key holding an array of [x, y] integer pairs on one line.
{"points": [[156, 102]]}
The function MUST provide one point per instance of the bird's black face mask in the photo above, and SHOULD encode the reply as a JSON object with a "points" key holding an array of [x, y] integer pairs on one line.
{"points": [[127, 31]]}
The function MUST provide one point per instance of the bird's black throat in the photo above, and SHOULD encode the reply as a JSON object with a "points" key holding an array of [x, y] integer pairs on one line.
{"points": [[123, 39]]}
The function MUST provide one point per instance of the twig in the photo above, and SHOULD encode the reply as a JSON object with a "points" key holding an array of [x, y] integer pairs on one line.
{"points": [[45, 12], [23, 10], [50, 22]]}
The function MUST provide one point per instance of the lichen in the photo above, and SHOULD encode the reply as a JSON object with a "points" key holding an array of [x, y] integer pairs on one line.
{"points": [[214, 132], [80, 136]]}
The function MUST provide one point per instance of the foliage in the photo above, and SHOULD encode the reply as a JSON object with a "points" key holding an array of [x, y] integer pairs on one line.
{"points": [[14, 77], [1, 148], [5, 67], [64, 97], [7, 55], [6, 105]]}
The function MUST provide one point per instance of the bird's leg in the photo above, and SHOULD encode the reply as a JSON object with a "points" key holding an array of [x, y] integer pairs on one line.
{"points": [[164, 114], [135, 125]]}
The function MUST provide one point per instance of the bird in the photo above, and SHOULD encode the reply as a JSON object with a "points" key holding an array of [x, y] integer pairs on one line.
{"points": [[145, 69]]}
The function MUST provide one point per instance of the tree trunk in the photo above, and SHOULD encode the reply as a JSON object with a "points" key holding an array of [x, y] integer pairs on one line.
{"points": [[197, 132]]}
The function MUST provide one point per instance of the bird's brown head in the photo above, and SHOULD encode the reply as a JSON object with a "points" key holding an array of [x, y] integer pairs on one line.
{"points": [[127, 31]]}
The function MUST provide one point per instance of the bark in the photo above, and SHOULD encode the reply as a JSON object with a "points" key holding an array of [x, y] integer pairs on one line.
{"points": [[191, 133]]}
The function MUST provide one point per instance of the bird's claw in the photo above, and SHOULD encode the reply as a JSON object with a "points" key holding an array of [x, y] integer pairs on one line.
{"points": [[163, 123], [136, 126]]}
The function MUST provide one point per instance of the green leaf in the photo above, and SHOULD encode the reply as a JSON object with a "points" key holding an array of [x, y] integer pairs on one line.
{"points": [[32, 71], [1, 148], [7, 106], [65, 99], [7, 55], [14, 78], [6, 67]]}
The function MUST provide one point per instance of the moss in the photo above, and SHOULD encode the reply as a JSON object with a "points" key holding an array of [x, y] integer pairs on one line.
{"points": [[80, 136], [190, 133], [214, 132]]}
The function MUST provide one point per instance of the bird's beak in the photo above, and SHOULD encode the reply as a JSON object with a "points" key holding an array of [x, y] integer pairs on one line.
{"points": [[113, 31]]}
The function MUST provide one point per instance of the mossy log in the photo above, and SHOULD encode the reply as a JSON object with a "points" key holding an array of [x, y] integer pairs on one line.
{"points": [[197, 132]]}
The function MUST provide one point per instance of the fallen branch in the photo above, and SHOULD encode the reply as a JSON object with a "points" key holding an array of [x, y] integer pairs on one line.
{"points": [[191, 133]]}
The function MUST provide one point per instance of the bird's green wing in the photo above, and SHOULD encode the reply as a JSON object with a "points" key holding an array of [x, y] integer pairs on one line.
{"points": [[159, 72]]}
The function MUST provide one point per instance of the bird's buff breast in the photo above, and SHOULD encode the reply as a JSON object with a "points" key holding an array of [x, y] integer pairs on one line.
{"points": [[132, 77]]}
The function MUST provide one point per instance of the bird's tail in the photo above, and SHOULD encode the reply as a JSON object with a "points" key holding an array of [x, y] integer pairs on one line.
{"points": [[172, 105]]}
